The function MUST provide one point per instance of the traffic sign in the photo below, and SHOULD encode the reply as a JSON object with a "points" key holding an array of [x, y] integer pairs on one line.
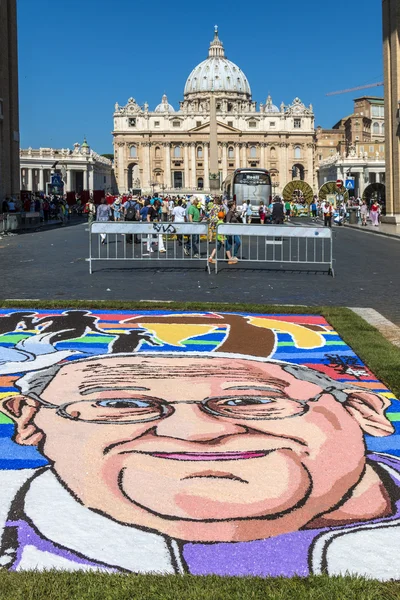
{"points": [[56, 179], [349, 184], [339, 183]]}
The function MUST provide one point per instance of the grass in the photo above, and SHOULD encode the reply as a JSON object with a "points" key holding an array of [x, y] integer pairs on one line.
{"points": [[382, 358], [93, 586]]}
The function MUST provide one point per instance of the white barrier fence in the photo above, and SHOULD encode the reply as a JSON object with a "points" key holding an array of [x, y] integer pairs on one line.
{"points": [[133, 241], [279, 244], [286, 246]]}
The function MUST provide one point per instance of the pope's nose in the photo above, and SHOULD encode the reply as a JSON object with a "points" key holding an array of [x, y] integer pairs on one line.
{"points": [[189, 422]]}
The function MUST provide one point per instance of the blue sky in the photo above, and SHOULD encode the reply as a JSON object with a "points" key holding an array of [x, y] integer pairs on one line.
{"points": [[78, 57]]}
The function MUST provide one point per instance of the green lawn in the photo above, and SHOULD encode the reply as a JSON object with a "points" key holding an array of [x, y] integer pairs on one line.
{"points": [[91, 586], [382, 358]]}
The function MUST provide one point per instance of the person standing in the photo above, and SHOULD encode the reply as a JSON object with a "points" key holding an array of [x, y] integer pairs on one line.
{"points": [[288, 208], [327, 211], [232, 240], [117, 209], [103, 214], [277, 212], [153, 214], [193, 214], [164, 210], [314, 210], [374, 213], [262, 212], [364, 213], [90, 209], [178, 216], [131, 210]]}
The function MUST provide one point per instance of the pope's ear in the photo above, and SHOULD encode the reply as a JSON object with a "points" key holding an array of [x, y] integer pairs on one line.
{"points": [[369, 410], [22, 411]]}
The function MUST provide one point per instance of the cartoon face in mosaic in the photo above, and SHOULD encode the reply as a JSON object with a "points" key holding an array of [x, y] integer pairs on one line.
{"points": [[211, 443], [231, 450]]}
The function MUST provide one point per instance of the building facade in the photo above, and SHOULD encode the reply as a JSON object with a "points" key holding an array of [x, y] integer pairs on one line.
{"points": [[391, 65], [81, 169], [354, 147], [9, 117], [168, 150]]}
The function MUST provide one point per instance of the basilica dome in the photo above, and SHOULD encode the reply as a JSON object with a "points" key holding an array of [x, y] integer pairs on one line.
{"points": [[164, 106], [217, 74]]}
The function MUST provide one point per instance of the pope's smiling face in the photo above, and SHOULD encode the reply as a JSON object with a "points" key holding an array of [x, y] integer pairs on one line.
{"points": [[199, 448]]}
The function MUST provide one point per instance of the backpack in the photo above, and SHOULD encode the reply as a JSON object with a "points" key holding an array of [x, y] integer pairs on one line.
{"points": [[130, 214]]}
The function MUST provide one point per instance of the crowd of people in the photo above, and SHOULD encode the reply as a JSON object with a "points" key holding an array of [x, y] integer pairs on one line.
{"points": [[49, 208]]}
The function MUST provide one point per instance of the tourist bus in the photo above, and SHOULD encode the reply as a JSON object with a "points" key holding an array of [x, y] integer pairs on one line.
{"points": [[249, 184]]}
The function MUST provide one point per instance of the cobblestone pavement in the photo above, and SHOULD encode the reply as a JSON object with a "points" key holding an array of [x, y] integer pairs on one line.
{"points": [[51, 264]]}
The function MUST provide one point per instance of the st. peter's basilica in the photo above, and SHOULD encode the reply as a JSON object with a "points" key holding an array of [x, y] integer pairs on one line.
{"points": [[168, 149]]}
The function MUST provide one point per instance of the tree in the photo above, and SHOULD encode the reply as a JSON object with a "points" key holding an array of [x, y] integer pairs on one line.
{"points": [[109, 156]]}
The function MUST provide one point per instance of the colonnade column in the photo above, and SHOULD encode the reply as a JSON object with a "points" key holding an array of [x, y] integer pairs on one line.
{"points": [[310, 164], [167, 163], [284, 170], [237, 155], [41, 180], [224, 161], [193, 165], [85, 179], [186, 182], [122, 177], [30, 180], [206, 167]]}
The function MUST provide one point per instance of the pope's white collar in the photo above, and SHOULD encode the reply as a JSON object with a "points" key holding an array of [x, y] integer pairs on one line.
{"points": [[63, 520]]}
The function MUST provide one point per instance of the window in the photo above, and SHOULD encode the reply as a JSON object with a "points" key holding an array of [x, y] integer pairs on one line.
{"points": [[371, 149], [253, 152], [332, 150], [158, 152], [198, 123], [230, 152], [378, 111], [362, 149], [231, 165], [200, 183], [176, 124], [133, 152], [199, 152], [156, 123], [132, 122], [381, 148], [383, 128], [253, 124], [297, 152], [272, 124], [177, 152], [230, 123], [273, 152], [297, 123], [376, 129], [319, 156]]}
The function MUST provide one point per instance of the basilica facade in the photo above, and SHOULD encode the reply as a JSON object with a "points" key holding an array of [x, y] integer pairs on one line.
{"points": [[168, 149]]}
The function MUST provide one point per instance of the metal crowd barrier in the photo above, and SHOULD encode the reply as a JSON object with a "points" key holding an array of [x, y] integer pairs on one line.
{"points": [[280, 244], [134, 241]]}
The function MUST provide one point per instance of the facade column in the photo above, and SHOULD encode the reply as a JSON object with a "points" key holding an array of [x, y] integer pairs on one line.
{"points": [[224, 161], [167, 165], [186, 182], [145, 148], [310, 164], [237, 155], [244, 154], [122, 181], [41, 180], [193, 165], [206, 167], [262, 155], [284, 170], [30, 180]]}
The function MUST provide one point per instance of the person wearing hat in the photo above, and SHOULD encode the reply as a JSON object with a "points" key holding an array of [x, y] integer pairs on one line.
{"points": [[116, 208]]}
